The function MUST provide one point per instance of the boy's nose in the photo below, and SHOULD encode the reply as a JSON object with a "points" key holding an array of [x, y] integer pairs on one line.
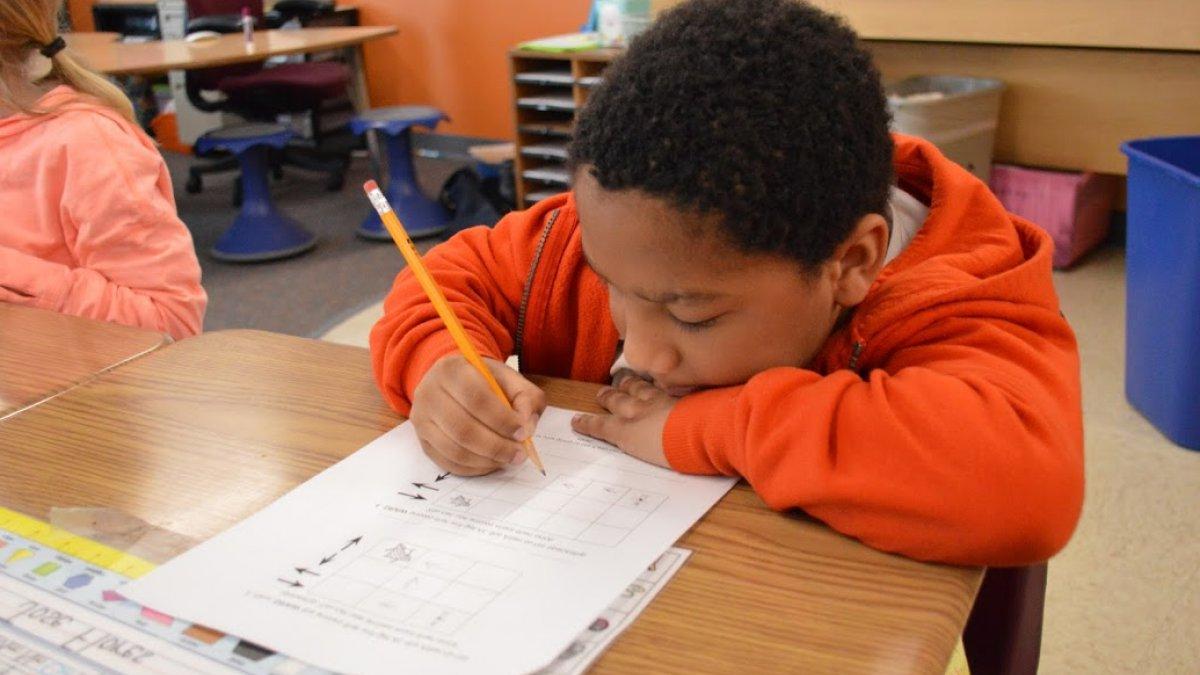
{"points": [[650, 357]]}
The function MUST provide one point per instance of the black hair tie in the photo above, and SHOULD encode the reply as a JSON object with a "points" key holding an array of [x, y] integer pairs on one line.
{"points": [[51, 48]]}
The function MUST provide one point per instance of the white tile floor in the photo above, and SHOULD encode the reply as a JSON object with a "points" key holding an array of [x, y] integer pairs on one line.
{"points": [[1124, 597], [355, 330]]}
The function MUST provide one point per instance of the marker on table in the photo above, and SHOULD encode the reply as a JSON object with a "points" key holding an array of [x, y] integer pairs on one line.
{"points": [[247, 26], [413, 258]]}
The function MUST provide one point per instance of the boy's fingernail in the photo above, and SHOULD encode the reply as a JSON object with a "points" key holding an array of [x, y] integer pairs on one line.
{"points": [[519, 457], [521, 434]]}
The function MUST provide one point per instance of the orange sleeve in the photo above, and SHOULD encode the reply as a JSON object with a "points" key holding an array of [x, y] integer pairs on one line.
{"points": [[482, 273], [965, 447]]}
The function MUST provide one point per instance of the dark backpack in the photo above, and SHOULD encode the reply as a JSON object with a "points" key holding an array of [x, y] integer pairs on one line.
{"points": [[473, 200]]}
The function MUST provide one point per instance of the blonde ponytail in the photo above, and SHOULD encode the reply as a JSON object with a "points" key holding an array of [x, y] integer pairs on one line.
{"points": [[27, 26], [70, 72]]}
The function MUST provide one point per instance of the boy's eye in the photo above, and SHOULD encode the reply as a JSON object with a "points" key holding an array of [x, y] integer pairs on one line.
{"points": [[694, 325]]}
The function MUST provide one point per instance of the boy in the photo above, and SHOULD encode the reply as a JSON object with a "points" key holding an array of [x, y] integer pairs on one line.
{"points": [[784, 292]]}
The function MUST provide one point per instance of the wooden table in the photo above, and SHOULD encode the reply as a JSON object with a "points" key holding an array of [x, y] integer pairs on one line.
{"points": [[200, 435], [159, 56], [85, 43], [44, 353]]}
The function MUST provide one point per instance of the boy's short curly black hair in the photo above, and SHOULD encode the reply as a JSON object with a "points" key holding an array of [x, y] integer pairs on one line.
{"points": [[768, 113]]}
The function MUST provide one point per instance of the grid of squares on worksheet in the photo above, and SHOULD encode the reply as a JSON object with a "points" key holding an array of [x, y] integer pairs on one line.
{"points": [[416, 586], [568, 504]]}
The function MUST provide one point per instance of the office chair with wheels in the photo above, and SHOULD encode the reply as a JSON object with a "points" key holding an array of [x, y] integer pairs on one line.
{"points": [[261, 94]]}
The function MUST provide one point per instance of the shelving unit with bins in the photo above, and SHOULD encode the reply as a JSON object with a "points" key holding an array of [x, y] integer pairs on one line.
{"points": [[549, 89]]}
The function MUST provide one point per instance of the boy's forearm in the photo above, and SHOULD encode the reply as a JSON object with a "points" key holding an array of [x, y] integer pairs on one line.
{"points": [[924, 464]]}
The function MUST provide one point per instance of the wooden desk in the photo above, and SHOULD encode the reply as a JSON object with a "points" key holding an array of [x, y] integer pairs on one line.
{"points": [[82, 43], [43, 353], [159, 56], [202, 434]]}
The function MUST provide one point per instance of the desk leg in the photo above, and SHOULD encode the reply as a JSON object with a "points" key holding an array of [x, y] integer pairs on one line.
{"points": [[361, 99], [359, 95]]}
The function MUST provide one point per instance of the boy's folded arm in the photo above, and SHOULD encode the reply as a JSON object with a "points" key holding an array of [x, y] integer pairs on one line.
{"points": [[477, 271], [966, 448]]}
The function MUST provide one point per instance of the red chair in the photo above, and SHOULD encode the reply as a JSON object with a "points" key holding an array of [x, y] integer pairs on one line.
{"points": [[261, 94]]}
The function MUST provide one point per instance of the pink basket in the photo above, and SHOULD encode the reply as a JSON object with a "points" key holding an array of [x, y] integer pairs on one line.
{"points": [[1073, 207]]}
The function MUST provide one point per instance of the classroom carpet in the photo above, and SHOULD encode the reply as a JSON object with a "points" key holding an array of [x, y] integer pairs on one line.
{"points": [[308, 294]]}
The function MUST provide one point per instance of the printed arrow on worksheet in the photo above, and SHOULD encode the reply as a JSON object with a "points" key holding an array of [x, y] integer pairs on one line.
{"points": [[441, 477], [410, 496], [327, 559], [305, 570], [427, 487], [293, 584], [352, 542]]}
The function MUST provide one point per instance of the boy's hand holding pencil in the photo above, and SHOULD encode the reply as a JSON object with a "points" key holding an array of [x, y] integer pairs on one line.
{"points": [[472, 415], [463, 427]]}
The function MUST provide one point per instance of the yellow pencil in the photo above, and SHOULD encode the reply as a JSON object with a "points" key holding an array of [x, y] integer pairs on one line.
{"points": [[409, 251]]}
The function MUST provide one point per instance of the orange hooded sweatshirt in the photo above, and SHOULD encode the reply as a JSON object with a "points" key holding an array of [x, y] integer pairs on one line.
{"points": [[89, 220], [942, 421]]}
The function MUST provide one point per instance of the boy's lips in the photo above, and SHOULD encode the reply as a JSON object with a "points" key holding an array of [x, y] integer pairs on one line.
{"points": [[678, 392], [675, 391]]}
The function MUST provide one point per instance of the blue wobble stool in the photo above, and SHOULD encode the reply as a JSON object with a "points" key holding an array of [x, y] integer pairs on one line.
{"points": [[259, 232], [422, 216]]}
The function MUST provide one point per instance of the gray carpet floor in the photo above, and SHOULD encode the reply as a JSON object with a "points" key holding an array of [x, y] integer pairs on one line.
{"points": [[308, 294]]}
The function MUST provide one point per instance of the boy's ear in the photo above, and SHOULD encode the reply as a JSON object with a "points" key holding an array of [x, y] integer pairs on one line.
{"points": [[859, 259]]}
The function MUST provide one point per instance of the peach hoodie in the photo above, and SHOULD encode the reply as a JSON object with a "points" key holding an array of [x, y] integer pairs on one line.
{"points": [[89, 222]]}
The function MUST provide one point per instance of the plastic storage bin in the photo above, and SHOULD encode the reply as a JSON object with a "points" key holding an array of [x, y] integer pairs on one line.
{"points": [[957, 114], [1075, 208], [619, 21], [1162, 279]]}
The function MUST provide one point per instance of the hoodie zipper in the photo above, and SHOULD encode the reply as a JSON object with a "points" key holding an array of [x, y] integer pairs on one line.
{"points": [[854, 354], [519, 335]]}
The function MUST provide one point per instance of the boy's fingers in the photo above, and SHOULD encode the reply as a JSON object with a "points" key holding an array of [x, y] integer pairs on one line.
{"points": [[448, 465], [528, 400], [474, 396], [620, 403], [471, 435], [452, 452], [441, 432], [602, 427]]}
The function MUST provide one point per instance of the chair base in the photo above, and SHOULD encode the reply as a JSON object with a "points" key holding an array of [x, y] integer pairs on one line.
{"points": [[421, 216], [262, 236]]}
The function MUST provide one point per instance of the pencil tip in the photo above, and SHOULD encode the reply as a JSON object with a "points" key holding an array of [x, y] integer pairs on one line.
{"points": [[543, 472]]}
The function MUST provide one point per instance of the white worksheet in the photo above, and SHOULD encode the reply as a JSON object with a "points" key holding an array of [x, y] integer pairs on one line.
{"points": [[382, 563], [587, 647]]}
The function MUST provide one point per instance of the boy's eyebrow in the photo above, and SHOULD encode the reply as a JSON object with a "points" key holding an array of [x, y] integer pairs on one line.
{"points": [[662, 298]]}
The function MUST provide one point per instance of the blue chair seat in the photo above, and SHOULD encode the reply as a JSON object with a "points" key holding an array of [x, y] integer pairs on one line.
{"points": [[259, 232], [422, 217]]}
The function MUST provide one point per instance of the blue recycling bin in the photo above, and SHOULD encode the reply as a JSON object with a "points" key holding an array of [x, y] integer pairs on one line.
{"points": [[1162, 297]]}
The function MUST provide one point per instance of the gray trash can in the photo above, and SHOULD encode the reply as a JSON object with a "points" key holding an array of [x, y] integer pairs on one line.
{"points": [[957, 114]]}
